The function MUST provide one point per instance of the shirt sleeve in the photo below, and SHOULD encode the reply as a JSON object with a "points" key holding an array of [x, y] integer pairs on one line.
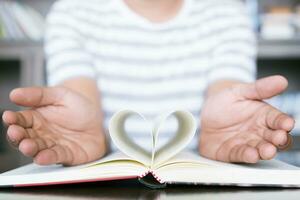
{"points": [[65, 49], [234, 56]]}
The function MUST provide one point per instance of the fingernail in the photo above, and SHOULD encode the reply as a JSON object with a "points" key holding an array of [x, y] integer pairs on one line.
{"points": [[12, 142], [287, 145]]}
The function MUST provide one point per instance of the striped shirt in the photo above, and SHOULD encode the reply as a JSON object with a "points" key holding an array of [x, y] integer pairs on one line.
{"points": [[145, 66]]}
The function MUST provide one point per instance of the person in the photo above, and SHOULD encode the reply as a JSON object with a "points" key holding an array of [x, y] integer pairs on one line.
{"points": [[151, 56]]}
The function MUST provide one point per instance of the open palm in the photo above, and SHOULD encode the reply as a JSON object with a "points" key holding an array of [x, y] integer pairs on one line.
{"points": [[238, 126], [60, 126]]}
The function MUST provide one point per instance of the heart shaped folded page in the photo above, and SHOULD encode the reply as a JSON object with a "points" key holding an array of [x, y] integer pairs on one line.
{"points": [[183, 135]]}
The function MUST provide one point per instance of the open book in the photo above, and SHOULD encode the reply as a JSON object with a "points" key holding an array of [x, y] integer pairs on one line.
{"points": [[158, 167]]}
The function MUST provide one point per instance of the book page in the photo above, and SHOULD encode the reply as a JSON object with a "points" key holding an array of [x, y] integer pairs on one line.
{"points": [[193, 158], [113, 166], [184, 134], [34, 168], [191, 168], [121, 139]]}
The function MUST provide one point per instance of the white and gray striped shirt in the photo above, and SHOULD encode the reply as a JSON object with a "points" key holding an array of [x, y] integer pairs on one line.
{"points": [[145, 66]]}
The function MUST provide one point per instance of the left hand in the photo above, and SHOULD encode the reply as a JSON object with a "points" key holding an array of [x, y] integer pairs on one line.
{"points": [[238, 126]]}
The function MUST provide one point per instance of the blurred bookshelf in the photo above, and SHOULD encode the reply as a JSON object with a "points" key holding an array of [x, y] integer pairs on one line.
{"points": [[22, 60], [279, 49]]}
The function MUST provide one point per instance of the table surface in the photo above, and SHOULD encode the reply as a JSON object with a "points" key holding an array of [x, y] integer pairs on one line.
{"points": [[133, 190]]}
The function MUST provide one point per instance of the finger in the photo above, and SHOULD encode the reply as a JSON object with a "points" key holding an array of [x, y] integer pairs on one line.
{"points": [[234, 153], [42, 144], [250, 155], [279, 138], [244, 154], [58, 154], [28, 147], [277, 120], [288, 144], [4, 119], [266, 150], [15, 134], [264, 88], [228, 148], [37, 96], [21, 118], [32, 146], [9, 117]]}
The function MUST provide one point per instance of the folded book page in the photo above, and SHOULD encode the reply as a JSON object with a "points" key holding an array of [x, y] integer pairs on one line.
{"points": [[184, 134]]}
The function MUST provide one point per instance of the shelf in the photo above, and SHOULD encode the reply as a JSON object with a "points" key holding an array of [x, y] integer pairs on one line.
{"points": [[267, 49], [30, 54], [296, 143], [18, 43], [32, 57], [10, 49], [278, 49]]}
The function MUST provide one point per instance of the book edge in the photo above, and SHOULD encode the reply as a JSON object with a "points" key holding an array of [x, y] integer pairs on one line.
{"points": [[73, 181]]}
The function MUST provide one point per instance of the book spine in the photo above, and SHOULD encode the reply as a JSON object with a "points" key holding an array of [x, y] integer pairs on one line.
{"points": [[35, 20], [2, 29], [19, 21], [6, 23], [8, 11], [38, 19], [27, 23], [151, 180]]}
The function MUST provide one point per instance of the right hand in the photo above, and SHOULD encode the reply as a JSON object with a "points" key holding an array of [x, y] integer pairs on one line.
{"points": [[60, 126]]}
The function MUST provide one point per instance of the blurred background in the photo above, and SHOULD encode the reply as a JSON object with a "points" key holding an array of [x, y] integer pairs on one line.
{"points": [[22, 24]]}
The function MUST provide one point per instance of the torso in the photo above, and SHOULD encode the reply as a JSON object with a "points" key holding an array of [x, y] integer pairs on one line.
{"points": [[150, 67]]}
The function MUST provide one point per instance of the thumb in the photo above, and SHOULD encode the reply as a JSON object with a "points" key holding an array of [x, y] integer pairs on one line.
{"points": [[264, 88], [37, 96]]}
